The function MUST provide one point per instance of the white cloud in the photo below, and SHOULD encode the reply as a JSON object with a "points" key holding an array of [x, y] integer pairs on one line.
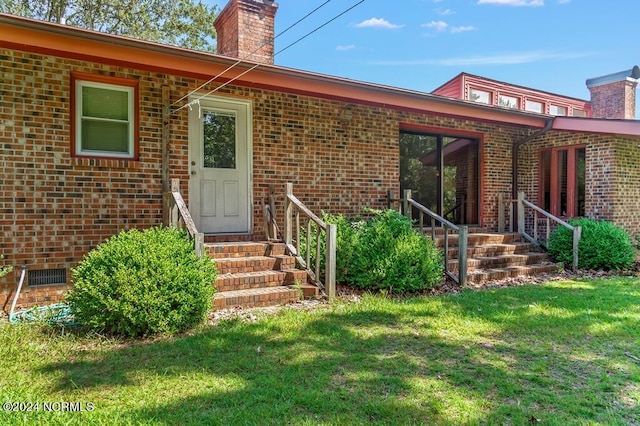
{"points": [[508, 59], [513, 2], [436, 25], [445, 12], [378, 23], [345, 48], [462, 29]]}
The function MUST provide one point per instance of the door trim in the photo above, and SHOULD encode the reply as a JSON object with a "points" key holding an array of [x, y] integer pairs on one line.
{"points": [[210, 101]]}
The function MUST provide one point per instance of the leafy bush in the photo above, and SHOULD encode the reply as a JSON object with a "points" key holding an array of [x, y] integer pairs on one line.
{"points": [[346, 239], [142, 283], [390, 255], [4, 270], [603, 245], [383, 252]]}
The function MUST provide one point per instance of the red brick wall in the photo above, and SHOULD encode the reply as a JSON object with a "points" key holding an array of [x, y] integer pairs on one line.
{"points": [[245, 30], [612, 175], [614, 100], [55, 208]]}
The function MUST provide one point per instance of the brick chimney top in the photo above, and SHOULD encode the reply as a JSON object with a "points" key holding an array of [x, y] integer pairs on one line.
{"points": [[245, 30], [614, 95]]}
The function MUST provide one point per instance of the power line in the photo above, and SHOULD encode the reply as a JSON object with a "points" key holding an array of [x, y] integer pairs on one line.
{"points": [[212, 79], [321, 26], [196, 101]]}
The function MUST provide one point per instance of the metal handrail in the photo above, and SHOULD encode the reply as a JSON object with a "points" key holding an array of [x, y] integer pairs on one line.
{"points": [[462, 230], [293, 208], [521, 203]]}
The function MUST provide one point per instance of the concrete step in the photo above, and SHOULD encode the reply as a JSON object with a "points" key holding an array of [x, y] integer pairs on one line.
{"points": [[500, 261], [260, 279], [257, 297], [244, 249], [234, 265], [493, 274]]}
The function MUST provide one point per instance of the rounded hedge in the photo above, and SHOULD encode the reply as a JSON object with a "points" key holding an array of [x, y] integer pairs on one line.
{"points": [[390, 255], [142, 283], [603, 245]]}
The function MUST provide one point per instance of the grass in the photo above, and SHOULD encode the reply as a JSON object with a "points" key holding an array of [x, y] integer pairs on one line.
{"points": [[562, 353]]}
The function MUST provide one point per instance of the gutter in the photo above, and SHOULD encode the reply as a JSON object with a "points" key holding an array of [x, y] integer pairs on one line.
{"points": [[515, 151]]}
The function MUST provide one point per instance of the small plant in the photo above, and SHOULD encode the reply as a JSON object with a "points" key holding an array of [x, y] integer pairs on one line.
{"points": [[4, 270], [142, 283], [603, 245], [389, 254]]}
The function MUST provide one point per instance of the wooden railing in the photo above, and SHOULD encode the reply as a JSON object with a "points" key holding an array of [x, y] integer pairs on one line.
{"points": [[271, 229], [178, 215], [293, 210], [407, 204], [537, 238]]}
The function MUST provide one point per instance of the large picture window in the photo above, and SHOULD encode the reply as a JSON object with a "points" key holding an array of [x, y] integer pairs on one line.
{"points": [[105, 114]]}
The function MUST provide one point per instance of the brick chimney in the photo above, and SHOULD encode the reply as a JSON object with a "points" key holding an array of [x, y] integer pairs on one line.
{"points": [[614, 95], [245, 30]]}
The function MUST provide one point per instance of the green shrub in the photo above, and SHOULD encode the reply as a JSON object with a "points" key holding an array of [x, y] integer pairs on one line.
{"points": [[390, 255], [346, 239], [603, 245], [142, 283], [4, 270]]}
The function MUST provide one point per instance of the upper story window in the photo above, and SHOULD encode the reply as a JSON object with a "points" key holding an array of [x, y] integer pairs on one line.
{"points": [[105, 116], [579, 113], [534, 106], [480, 96], [557, 110], [508, 102]]}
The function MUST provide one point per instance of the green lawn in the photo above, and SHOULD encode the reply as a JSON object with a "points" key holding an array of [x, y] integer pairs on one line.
{"points": [[563, 353]]}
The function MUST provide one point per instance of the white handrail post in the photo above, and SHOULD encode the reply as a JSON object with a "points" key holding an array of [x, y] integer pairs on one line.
{"points": [[521, 212], [330, 261], [577, 234], [407, 206], [288, 214], [462, 254]]}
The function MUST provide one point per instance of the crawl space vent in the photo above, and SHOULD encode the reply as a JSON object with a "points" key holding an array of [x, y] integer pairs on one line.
{"points": [[47, 277]]}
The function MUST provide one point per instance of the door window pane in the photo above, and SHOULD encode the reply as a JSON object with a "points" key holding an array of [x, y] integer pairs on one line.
{"points": [[562, 182], [219, 140], [581, 162]]}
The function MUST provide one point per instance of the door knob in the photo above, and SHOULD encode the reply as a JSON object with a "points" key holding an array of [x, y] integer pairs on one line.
{"points": [[193, 172]]}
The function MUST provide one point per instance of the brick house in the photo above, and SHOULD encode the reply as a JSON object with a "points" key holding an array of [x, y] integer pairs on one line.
{"points": [[93, 126]]}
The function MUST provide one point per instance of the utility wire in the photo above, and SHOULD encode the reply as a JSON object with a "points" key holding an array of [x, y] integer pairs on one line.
{"points": [[212, 79], [321, 26], [257, 65]]}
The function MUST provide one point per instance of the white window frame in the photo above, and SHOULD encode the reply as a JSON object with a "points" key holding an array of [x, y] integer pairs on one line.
{"points": [[131, 120]]}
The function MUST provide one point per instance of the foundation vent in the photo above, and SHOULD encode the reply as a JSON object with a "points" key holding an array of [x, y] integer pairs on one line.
{"points": [[41, 277]]}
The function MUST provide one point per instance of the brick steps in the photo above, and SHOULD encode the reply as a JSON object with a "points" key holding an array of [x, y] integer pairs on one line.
{"points": [[494, 274], [495, 256], [501, 261], [256, 274]]}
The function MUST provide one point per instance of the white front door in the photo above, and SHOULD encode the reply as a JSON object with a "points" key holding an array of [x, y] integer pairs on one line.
{"points": [[220, 165]]}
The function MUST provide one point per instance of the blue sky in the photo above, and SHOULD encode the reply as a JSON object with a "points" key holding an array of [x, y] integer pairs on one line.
{"points": [[551, 45]]}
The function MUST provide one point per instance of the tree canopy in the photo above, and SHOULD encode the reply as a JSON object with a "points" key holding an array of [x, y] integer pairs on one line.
{"points": [[184, 23]]}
